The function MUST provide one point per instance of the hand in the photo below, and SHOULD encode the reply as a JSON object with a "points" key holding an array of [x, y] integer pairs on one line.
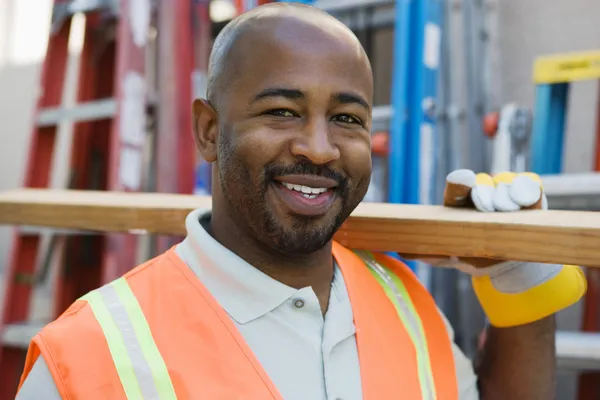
{"points": [[506, 191], [511, 293]]}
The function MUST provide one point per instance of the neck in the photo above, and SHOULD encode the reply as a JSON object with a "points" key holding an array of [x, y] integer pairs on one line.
{"points": [[297, 271]]}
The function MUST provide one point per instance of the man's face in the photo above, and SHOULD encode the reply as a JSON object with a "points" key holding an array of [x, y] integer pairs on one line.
{"points": [[294, 156]]}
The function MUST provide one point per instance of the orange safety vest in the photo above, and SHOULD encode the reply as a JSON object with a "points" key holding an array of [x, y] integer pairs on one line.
{"points": [[158, 333]]}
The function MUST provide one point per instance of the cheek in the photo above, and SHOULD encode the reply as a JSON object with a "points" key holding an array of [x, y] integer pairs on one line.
{"points": [[357, 159], [250, 152], [259, 147]]}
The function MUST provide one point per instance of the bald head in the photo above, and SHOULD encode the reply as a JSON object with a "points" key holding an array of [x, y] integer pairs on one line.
{"points": [[281, 21]]}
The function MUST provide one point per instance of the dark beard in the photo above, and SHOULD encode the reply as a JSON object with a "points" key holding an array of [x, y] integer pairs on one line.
{"points": [[246, 196], [303, 238]]}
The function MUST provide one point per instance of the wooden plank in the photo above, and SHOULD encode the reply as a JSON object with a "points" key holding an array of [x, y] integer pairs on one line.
{"points": [[569, 237]]}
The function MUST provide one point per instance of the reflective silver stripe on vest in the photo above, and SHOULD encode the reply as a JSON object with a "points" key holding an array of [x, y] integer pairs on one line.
{"points": [[413, 324], [141, 368], [137, 360]]}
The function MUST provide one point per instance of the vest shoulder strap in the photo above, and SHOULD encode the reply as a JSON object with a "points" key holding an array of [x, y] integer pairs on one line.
{"points": [[419, 314], [112, 315]]}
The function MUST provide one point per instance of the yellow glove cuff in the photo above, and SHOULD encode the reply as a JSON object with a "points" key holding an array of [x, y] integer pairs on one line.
{"points": [[547, 298]]}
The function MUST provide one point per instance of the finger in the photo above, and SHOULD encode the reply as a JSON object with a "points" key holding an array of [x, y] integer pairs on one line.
{"points": [[483, 193], [541, 204], [478, 262], [526, 191], [502, 200], [458, 187], [504, 177], [465, 264], [433, 260]]}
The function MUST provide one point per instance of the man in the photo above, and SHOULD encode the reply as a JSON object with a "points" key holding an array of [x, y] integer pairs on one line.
{"points": [[252, 304]]}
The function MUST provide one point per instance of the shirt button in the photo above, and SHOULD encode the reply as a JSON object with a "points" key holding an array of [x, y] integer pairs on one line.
{"points": [[299, 303]]}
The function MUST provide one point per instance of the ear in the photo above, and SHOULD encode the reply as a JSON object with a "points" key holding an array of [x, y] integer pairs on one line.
{"points": [[205, 129]]}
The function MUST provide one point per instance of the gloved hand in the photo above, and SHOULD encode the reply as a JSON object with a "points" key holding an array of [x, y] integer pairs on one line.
{"points": [[511, 293]]}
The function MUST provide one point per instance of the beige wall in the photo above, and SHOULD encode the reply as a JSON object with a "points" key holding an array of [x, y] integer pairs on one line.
{"points": [[16, 87], [533, 28]]}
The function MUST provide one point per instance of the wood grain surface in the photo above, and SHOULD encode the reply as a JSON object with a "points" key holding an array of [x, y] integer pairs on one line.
{"points": [[568, 237]]}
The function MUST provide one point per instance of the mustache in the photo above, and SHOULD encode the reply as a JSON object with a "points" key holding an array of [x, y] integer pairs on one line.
{"points": [[305, 168]]}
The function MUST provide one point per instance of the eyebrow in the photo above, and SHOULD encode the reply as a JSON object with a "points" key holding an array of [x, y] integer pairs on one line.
{"points": [[295, 94], [292, 94], [350, 98]]}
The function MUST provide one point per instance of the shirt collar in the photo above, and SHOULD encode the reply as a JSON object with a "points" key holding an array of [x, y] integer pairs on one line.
{"points": [[242, 290]]}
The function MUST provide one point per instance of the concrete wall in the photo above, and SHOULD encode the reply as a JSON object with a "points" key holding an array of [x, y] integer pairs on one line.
{"points": [[536, 27]]}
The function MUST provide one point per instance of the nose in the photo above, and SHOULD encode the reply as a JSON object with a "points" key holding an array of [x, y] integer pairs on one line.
{"points": [[314, 144]]}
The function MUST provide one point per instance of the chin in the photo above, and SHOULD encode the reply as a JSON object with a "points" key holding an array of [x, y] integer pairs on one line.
{"points": [[300, 235]]}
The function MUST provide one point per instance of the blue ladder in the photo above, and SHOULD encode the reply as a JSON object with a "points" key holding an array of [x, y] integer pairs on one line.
{"points": [[413, 140], [412, 161], [552, 76]]}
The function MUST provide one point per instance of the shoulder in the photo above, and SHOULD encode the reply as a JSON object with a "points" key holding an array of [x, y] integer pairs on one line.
{"points": [[39, 383], [80, 315], [54, 354], [465, 373]]}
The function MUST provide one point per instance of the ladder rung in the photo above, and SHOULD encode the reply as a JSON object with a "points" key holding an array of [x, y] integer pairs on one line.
{"points": [[382, 113], [579, 191], [19, 335], [381, 118], [84, 6], [65, 10], [89, 111], [572, 184], [578, 350]]}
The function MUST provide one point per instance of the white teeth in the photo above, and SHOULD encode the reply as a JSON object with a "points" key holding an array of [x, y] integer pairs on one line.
{"points": [[306, 190]]}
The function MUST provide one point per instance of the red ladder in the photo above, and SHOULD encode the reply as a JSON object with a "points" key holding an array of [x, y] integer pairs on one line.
{"points": [[184, 38], [109, 135], [106, 154], [589, 382]]}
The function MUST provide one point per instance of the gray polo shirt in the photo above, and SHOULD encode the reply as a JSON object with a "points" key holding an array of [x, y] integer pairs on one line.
{"points": [[306, 355]]}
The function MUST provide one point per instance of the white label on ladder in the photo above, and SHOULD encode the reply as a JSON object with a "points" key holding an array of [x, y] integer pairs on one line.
{"points": [[199, 84], [130, 168], [433, 39], [426, 161], [139, 15], [133, 110]]}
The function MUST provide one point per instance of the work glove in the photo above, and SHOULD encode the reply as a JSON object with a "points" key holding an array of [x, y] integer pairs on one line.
{"points": [[511, 293]]}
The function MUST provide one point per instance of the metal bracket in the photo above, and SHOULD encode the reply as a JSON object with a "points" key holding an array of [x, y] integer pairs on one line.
{"points": [[87, 111]]}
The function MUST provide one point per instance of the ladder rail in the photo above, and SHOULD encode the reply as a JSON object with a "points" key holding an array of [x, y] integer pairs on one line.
{"points": [[105, 155], [22, 258], [553, 76], [176, 155]]}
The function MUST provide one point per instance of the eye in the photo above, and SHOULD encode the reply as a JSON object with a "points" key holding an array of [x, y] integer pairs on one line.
{"points": [[281, 112], [347, 119]]}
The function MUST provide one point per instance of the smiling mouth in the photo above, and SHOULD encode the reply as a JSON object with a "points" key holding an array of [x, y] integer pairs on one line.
{"points": [[304, 200], [306, 191]]}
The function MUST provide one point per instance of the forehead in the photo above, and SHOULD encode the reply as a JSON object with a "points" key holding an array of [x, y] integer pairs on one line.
{"points": [[304, 54]]}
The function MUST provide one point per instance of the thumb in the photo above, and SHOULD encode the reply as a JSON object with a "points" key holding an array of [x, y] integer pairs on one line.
{"points": [[459, 183], [526, 191]]}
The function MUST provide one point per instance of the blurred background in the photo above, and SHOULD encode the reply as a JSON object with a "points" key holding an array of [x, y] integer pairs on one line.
{"points": [[95, 94]]}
